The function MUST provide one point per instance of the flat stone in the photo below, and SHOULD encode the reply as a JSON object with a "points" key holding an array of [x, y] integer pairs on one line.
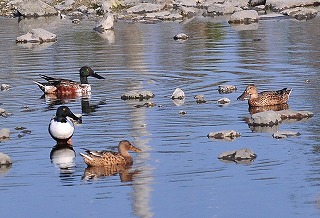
{"points": [[137, 95], [244, 17], [285, 134], [145, 8], [266, 118], [301, 13], [35, 8], [37, 36], [244, 154], [221, 9], [5, 159], [278, 5], [224, 134], [296, 115]]}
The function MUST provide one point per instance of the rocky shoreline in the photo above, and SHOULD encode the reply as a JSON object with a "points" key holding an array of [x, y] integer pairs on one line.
{"points": [[159, 10]]}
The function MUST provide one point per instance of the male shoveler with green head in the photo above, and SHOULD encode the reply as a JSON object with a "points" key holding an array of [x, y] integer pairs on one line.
{"points": [[61, 127], [109, 158], [68, 87], [266, 98]]}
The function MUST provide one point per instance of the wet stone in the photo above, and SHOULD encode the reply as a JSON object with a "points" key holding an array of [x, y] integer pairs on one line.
{"points": [[5, 160], [224, 101], [224, 134], [285, 134], [244, 154], [37, 36], [266, 118], [224, 89], [140, 95], [200, 99], [4, 87], [301, 13], [181, 36], [178, 94], [244, 17], [4, 134], [296, 115]]}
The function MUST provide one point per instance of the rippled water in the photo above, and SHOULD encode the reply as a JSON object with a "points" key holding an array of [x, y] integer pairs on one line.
{"points": [[178, 173]]}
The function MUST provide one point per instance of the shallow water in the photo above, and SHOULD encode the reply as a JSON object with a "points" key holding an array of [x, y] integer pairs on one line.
{"points": [[178, 173]]}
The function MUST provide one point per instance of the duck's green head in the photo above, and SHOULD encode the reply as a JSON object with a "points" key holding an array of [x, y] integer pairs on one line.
{"points": [[86, 71]]}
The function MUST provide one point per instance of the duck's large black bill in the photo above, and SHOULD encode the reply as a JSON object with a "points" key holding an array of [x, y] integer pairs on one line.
{"points": [[97, 76]]}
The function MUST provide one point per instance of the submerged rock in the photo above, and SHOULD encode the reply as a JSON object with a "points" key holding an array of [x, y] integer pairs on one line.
{"points": [[244, 154], [37, 36], [137, 95], [285, 134], [266, 118], [224, 134], [5, 159], [244, 17], [178, 94]]}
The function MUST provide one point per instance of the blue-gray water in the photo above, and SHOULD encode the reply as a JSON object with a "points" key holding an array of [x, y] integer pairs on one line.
{"points": [[178, 173]]}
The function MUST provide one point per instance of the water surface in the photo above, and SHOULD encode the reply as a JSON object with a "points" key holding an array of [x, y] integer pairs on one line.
{"points": [[178, 173]]}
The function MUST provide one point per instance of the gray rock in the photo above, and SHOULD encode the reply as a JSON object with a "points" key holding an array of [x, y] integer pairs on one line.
{"points": [[301, 13], [35, 8], [278, 5], [285, 134], [3, 113], [266, 118], [254, 3], [220, 9], [226, 89], [224, 134], [244, 17], [189, 3], [37, 36], [5, 159], [137, 95], [296, 115], [178, 94], [4, 134], [105, 24], [244, 154], [223, 101], [145, 8], [4, 87], [181, 36], [200, 99]]}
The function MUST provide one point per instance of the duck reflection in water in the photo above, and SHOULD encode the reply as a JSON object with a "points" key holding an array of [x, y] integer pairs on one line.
{"points": [[63, 155], [96, 172], [279, 107]]}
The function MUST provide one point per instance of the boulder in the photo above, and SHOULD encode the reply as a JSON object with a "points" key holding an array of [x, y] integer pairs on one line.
{"points": [[35, 8], [224, 134], [244, 154], [137, 95], [301, 13], [266, 118], [244, 17], [4, 134], [254, 3], [178, 94], [37, 36], [5, 160], [221, 9]]}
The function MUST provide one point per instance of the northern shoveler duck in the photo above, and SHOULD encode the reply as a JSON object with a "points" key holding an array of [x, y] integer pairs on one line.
{"points": [[265, 98], [108, 158], [61, 127], [67, 87]]}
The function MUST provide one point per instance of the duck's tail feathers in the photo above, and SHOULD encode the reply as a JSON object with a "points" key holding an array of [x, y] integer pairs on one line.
{"points": [[85, 156], [40, 85]]}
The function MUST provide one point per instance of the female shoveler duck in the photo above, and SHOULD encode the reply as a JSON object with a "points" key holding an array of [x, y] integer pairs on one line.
{"points": [[61, 127], [109, 158], [266, 98], [66, 87]]}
